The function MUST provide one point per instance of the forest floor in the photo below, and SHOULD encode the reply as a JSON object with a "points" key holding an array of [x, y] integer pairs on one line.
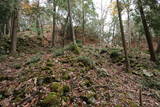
{"points": [[86, 76]]}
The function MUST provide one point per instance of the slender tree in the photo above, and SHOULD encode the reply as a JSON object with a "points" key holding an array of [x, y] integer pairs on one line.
{"points": [[70, 21], [54, 23], [83, 20], [37, 20], [123, 36], [147, 32], [14, 26]]}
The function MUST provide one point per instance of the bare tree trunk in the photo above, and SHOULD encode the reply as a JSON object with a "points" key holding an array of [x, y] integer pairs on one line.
{"points": [[129, 29], [37, 21], [38, 26], [54, 24], [64, 29], [147, 33], [83, 17], [123, 37], [14, 25], [158, 47], [71, 24], [1, 31]]}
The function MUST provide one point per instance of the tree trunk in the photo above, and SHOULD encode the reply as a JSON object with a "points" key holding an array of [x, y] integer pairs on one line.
{"points": [[123, 38], [147, 32], [38, 26], [83, 23], [71, 24], [54, 23], [158, 47], [14, 25], [64, 29], [37, 21], [129, 29]]}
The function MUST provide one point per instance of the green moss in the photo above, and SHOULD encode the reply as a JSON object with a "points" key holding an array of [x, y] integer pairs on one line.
{"points": [[65, 89], [90, 94], [58, 52], [49, 64], [17, 66], [118, 105], [2, 77], [151, 82], [73, 47], [45, 80], [132, 104], [51, 100], [17, 99], [86, 61], [45, 68], [56, 87], [65, 76], [115, 53], [2, 57], [33, 59], [86, 83]]}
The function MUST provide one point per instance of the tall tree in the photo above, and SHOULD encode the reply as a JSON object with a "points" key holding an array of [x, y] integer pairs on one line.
{"points": [[83, 20], [14, 26], [54, 23], [37, 20], [147, 32], [70, 21], [123, 36]]}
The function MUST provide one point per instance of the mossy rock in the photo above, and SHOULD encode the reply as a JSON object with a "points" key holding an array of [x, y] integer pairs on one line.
{"points": [[118, 105], [33, 59], [46, 68], [86, 83], [59, 88], [3, 77], [151, 82], [56, 87], [58, 52], [115, 53], [90, 94], [51, 100], [104, 50], [65, 89], [17, 99], [73, 47], [17, 66], [49, 64], [46, 80], [79, 42], [132, 104], [2, 57], [86, 61], [65, 76]]}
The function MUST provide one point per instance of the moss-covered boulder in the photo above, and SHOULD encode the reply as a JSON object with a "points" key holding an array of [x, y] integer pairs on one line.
{"points": [[33, 59], [66, 76], [46, 80], [17, 66], [58, 52], [65, 89], [86, 61], [56, 87], [51, 100], [74, 48]]}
